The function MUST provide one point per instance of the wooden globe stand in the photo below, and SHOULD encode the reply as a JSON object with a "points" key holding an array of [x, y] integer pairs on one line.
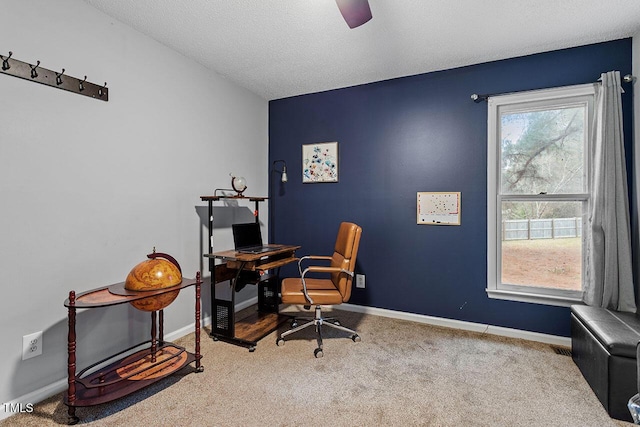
{"points": [[125, 372]]}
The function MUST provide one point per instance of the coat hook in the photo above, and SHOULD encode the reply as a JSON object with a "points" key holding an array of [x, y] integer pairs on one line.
{"points": [[81, 88], [34, 73], [59, 77], [5, 61], [101, 91]]}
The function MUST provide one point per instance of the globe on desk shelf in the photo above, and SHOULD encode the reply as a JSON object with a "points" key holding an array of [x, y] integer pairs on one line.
{"points": [[239, 184], [160, 271]]}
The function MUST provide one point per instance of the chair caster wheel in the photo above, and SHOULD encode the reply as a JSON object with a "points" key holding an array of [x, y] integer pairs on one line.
{"points": [[279, 342], [200, 369], [318, 353], [356, 338], [252, 349]]}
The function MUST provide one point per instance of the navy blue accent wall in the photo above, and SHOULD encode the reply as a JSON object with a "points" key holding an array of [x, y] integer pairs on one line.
{"points": [[402, 136]]}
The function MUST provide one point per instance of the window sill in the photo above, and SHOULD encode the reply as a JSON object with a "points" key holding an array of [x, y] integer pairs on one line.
{"points": [[560, 301]]}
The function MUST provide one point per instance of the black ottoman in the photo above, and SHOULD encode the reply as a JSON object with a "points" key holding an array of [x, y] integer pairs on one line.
{"points": [[604, 349]]}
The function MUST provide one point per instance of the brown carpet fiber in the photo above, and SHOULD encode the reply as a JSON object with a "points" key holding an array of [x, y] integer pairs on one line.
{"points": [[401, 373]]}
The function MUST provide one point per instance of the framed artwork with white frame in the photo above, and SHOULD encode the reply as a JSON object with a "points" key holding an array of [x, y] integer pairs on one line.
{"points": [[320, 162]]}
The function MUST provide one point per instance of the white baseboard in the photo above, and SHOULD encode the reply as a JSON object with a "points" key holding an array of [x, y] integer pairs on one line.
{"points": [[59, 386], [460, 324], [34, 397]]}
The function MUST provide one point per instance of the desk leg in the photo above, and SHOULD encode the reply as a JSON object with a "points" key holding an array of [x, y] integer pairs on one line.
{"points": [[214, 307], [212, 272], [232, 309]]}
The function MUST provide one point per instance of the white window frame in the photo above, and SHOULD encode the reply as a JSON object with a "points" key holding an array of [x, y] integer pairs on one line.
{"points": [[526, 101]]}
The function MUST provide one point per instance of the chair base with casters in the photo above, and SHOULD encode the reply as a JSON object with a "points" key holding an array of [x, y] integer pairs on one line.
{"points": [[318, 321]]}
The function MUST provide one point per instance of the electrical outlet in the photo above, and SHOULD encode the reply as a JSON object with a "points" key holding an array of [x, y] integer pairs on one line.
{"points": [[360, 281], [31, 345]]}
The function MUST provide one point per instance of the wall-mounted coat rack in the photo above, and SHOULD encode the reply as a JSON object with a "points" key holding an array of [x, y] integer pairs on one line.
{"points": [[35, 73]]}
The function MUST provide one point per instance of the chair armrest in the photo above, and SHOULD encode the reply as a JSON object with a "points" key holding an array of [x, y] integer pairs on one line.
{"points": [[326, 257], [311, 257], [321, 269]]}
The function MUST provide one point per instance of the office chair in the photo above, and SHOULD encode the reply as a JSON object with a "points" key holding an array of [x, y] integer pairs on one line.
{"points": [[333, 290]]}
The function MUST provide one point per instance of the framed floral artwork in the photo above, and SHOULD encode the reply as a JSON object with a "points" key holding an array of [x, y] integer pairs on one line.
{"points": [[320, 162]]}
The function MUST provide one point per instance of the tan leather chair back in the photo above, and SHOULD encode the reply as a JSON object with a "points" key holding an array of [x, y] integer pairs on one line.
{"points": [[344, 256]]}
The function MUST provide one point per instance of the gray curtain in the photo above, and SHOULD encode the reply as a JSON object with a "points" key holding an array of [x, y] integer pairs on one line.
{"points": [[609, 281]]}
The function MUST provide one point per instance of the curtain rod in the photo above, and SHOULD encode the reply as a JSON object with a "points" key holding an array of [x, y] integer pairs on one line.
{"points": [[479, 98]]}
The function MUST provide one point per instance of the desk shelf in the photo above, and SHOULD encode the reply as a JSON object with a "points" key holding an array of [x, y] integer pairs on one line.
{"points": [[258, 325], [134, 368]]}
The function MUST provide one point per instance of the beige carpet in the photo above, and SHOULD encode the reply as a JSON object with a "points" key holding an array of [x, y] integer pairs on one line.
{"points": [[400, 374]]}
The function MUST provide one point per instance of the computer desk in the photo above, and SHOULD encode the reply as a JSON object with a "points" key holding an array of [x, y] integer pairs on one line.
{"points": [[246, 268]]}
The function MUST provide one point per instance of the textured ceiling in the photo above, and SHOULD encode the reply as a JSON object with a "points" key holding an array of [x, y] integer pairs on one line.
{"points": [[281, 48]]}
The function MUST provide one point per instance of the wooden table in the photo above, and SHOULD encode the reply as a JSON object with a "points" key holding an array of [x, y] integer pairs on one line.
{"points": [[247, 268]]}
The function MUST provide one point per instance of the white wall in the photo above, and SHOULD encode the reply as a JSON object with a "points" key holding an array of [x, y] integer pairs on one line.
{"points": [[87, 187]]}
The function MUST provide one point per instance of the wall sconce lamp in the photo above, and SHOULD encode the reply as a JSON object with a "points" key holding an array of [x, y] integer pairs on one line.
{"points": [[272, 200], [284, 170]]}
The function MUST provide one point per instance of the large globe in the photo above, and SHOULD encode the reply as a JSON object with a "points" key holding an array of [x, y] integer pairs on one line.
{"points": [[152, 275]]}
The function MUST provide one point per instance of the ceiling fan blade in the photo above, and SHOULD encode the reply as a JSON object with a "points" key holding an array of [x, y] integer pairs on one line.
{"points": [[355, 12]]}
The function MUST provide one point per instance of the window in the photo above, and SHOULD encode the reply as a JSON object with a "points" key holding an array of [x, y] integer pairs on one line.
{"points": [[538, 194]]}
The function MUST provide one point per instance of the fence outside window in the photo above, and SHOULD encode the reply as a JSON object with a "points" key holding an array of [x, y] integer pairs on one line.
{"points": [[551, 228]]}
